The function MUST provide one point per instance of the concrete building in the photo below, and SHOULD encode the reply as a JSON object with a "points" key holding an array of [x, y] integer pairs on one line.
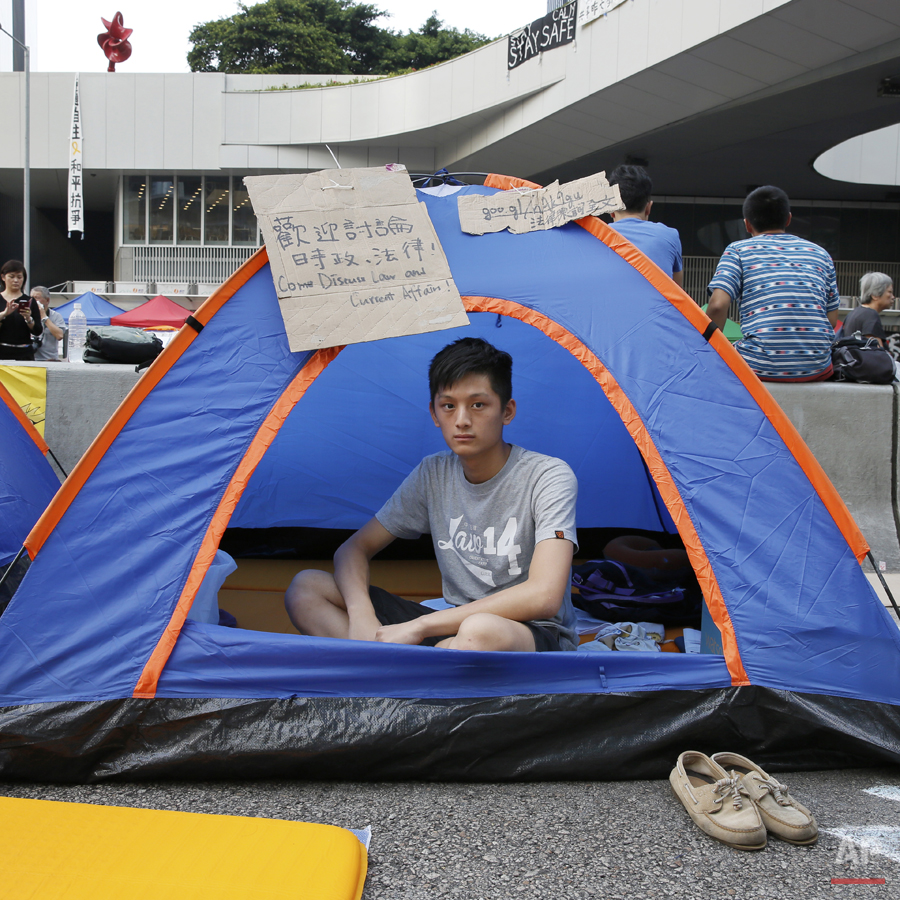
{"points": [[715, 96]]}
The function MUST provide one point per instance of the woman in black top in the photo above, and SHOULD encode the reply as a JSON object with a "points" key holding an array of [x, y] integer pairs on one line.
{"points": [[17, 325]]}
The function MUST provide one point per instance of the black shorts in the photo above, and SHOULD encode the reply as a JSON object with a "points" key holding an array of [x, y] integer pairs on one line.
{"points": [[392, 610]]}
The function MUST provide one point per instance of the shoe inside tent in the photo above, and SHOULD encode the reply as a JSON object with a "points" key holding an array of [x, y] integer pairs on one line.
{"points": [[618, 372]]}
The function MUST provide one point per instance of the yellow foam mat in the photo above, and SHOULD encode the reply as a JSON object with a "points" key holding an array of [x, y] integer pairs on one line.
{"points": [[79, 851]]}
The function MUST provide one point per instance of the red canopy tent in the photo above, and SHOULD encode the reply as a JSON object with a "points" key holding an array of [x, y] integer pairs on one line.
{"points": [[160, 311]]}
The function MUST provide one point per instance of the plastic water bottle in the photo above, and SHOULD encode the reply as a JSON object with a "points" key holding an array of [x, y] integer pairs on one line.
{"points": [[77, 334]]}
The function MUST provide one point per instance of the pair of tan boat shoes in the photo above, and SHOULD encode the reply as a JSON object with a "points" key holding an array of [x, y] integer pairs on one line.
{"points": [[734, 801]]}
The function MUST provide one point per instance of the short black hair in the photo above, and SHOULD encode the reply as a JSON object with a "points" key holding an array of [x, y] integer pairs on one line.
{"points": [[767, 207], [11, 266], [635, 186], [471, 356]]}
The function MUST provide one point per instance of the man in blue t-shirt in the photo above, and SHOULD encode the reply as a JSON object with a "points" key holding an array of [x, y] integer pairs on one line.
{"points": [[787, 291], [655, 240]]}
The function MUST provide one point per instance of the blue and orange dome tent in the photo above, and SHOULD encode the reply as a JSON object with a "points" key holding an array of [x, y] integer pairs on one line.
{"points": [[27, 480], [617, 371]]}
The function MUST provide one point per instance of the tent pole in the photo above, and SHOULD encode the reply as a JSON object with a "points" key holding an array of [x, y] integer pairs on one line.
{"points": [[887, 590], [61, 469], [10, 566]]}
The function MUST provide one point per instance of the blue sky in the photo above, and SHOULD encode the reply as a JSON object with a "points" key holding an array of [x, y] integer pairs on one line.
{"points": [[66, 39]]}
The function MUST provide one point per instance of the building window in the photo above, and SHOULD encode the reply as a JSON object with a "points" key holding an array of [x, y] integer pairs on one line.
{"points": [[134, 209], [189, 212], [162, 207], [243, 222], [212, 210], [216, 210]]}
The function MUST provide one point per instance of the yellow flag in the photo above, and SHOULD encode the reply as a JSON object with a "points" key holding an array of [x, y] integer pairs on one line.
{"points": [[28, 385]]}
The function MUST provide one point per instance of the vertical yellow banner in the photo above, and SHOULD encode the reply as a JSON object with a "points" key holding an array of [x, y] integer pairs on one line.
{"points": [[28, 386]]}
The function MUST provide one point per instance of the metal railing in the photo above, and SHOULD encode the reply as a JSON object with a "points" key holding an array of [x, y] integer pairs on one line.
{"points": [[699, 270], [204, 265], [212, 265], [849, 273], [698, 273]]}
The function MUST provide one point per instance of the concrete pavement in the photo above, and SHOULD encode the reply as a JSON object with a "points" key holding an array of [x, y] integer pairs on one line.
{"points": [[565, 841]]}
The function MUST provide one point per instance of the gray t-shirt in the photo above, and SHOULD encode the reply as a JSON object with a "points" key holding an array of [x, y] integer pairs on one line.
{"points": [[484, 534], [49, 346]]}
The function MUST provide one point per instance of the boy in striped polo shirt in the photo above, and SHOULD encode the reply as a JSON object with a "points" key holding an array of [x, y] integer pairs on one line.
{"points": [[787, 290]]}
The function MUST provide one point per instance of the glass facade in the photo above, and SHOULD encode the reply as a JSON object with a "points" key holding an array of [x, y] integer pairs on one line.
{"points": [[216, 205], [194, 210], [189, 210], [243, 222], [863, 232], [134, 210], [162, 209]]}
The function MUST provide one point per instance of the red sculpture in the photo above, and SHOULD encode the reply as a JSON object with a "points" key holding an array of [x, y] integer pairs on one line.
{"points": [[114, 41]]}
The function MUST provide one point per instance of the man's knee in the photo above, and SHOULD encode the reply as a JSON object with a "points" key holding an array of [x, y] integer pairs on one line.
{"points": [[310, 582], [485, 631], [309, 588]]}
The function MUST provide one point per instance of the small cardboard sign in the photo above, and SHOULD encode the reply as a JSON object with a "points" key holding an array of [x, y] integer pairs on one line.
{"points": [[536, 209], [354, 257]]}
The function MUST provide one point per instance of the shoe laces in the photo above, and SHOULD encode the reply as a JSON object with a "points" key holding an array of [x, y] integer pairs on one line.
{"points": [[777, 790], [731, 784]]}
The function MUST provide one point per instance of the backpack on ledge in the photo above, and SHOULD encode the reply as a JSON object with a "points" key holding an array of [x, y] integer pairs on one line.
{"points": [[861, 360], [121, 344]]}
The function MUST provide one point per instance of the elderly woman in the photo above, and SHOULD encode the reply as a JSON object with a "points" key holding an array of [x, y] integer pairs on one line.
{"points": [[876, 293]]}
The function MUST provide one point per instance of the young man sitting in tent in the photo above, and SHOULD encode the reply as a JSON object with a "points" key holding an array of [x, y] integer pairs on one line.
{"points": [[502, 520], [787, 290]]}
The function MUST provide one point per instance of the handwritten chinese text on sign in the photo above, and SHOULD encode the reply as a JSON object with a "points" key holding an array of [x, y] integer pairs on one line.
{"points": [[354, 257]]}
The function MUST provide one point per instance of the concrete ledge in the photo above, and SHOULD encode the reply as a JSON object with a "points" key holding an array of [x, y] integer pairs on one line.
{"points": [[852, 429], [80, 399]]}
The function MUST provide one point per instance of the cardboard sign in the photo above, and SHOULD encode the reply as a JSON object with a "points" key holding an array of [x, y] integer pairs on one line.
{"points": [[354, 257], [553, 30], [537, 209]]}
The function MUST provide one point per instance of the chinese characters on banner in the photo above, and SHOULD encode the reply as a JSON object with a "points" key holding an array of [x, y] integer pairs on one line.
{"points": [[76, 195], [529, 209], [588, 10], [354, 257], [551, 31]]}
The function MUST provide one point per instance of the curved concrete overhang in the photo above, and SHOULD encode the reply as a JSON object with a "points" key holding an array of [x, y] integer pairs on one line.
{"points": [[717, 95], [871, 158]]}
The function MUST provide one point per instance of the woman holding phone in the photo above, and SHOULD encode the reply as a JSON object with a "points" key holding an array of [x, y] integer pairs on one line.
{"points": [[20, 316]]}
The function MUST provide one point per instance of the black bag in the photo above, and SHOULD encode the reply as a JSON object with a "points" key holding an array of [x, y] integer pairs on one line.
{"points": [[861, 360], [121, 344], [617, 592]]}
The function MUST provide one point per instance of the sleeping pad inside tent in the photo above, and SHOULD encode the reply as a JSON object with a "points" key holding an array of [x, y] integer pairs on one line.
{"points": [[618, 372]]}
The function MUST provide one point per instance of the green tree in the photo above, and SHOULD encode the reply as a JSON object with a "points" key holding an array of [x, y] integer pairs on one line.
{"points": [[292, 36], [431, 44], [320, 37]]}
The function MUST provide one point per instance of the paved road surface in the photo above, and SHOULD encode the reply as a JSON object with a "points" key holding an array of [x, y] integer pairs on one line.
{"points": [[558, 840], [561, 840]]}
